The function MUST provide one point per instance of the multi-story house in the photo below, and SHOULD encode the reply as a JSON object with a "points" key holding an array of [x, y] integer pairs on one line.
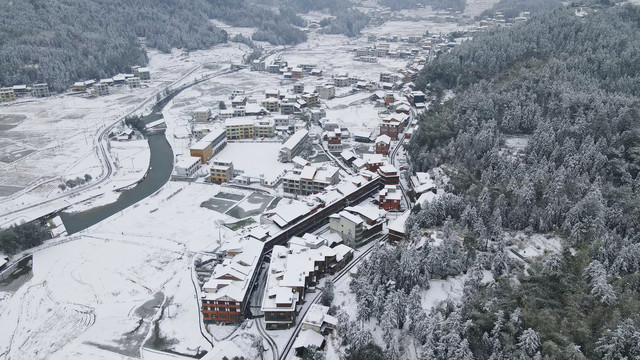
{"points": [[209, 145], [293, 145], [264, 127], [202, 115], [382, 144], [221, 171], [271, 104], [389, 198], [348, 225], [225, 295], [310, 179], [40, 90], [310, 99], [239, 128], [7, 94]]}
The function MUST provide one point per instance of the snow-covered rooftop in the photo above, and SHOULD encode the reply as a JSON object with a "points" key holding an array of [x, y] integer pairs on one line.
{"points": [[295, 139], [307, 338], [384, 138], [397, 224], [208, 139], [231, 279]]}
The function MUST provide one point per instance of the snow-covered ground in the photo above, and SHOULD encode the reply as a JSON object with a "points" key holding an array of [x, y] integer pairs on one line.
{"points": [[98, 293], [45, 141], [256, 158]]}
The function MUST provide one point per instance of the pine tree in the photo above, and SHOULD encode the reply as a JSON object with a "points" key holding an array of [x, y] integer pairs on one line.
{"points": [[600, 287], [529, 341], [621, 343]]}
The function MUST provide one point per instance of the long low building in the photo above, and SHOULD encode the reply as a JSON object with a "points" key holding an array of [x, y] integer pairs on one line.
{"points": [[187, 166], [226, 294], [293, 145], [209, 145], [310, 179]]}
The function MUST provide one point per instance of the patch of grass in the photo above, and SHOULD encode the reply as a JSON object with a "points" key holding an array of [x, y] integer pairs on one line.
{"points": [[240, 224]]}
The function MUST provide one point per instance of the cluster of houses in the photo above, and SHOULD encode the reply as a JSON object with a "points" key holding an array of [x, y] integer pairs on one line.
{"points": [[98, 88], [101, 87], [294, 269], [8, 94], [280, 66]]}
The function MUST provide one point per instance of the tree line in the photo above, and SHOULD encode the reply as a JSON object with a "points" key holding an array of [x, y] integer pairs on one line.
{"points": [[21, 237], [455, 5], [59, 42]]}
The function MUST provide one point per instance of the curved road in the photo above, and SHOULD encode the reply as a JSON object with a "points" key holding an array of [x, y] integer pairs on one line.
{"points": [[103, 153]]}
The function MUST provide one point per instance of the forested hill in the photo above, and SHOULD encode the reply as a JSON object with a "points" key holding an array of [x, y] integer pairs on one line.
{"points": [[59, 42], [569, 88], [62, 41]]}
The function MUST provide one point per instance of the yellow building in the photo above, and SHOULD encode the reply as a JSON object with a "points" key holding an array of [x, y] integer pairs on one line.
{"points": [[310, 99], [239, 128], [221, 171], [208, 145], [7, 94], [271, 104]]}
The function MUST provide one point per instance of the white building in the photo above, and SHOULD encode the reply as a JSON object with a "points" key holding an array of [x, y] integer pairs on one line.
{"points": [[326, 92], [202, 114], [310, 179], [101, 88], [187, 166], [349, 226], [293, 145], [40, 90]]}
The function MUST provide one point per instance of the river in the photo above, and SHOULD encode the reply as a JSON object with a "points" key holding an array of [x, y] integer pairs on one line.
{"points": [[158, 173]]}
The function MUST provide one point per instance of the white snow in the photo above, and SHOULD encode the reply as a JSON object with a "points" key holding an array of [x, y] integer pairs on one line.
{"points": [[255, 158]]}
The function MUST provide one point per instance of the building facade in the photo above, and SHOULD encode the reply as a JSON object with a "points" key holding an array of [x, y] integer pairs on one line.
{"points": [[40, 90], [239, 128], [291, 148], [7, 94], [209, 145], [389, 198], [221, 171], [310, 180], [202, 115]]}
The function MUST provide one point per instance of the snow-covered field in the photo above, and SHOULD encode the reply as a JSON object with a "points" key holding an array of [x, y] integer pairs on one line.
{"points": [[45, 141], [256, 158], [97, 294]]}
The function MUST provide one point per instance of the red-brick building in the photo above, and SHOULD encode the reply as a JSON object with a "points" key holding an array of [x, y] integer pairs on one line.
{"points": [[373, 161], [389, 99], [392, 125], [389, 198], [225, 295], [389, 175], [383, 142]]}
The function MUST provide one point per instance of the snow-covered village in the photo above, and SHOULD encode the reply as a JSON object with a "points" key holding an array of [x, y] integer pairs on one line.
{"points": [[374, 190]]}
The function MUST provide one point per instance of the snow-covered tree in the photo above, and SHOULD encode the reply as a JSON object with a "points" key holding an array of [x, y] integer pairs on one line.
{"points": [[529, 341], [600, 287], [621, 343]]}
